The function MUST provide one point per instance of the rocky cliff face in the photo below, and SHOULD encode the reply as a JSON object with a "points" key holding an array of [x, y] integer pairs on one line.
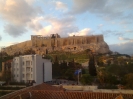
{"points": [[20, 47], [70, 44], [103, 48]]}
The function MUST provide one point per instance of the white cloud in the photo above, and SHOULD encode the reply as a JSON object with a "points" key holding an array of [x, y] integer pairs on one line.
{"points": [[17, 13], [100, 26], [63, 26], [129, 31], [120, 38], [14, 30], [59, 25], [83, 32], [45, 31], [125, 22], [35, 24], [60, 5], [112, 32], [119, 34], [126, 39], [107, 9], [30, 1], [88, 5], [123, 48]]}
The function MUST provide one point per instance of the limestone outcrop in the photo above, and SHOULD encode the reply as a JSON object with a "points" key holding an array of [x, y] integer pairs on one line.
{"points": [[75, 44], [20, 47]]}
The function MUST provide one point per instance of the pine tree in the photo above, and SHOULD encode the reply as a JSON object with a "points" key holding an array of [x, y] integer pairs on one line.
{"points": [[92, 68], [56, 68]]}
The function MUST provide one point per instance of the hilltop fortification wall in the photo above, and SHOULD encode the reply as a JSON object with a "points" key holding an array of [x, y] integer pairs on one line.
{"points": [[42, 44], [38, 41], [58, 42]]}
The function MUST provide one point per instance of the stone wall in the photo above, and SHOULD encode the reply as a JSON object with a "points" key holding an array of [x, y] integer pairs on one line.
{"points": [[95, 89], [114, 91], [72, 44], [57, 42], [39, 41], [79, 88]]}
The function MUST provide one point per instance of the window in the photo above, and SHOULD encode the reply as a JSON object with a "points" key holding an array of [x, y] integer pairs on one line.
{"points": [[31, 75], [28, 69], [31, 69], [23, 63], [23, 75], [27, 63], [17, 75]]}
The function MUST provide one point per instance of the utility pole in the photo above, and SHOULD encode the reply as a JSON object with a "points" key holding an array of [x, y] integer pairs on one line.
{"points": [[79, 71], [78, 78]]}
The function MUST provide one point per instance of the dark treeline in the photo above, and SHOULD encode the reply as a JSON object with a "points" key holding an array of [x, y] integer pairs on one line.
{"points": [[65, 70]]}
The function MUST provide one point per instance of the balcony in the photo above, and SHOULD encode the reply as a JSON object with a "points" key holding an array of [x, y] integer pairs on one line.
{"points": [[28, 64], [28, 70], [28, 78]]}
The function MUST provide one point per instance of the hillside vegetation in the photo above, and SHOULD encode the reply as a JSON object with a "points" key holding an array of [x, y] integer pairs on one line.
{"points": [[79, 57]]}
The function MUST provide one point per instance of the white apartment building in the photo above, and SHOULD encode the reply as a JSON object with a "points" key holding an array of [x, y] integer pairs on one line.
{"points": [[30, 68]]}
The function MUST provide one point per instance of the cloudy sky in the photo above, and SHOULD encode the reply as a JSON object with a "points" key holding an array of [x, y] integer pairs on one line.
{"points": [[19, 19]]}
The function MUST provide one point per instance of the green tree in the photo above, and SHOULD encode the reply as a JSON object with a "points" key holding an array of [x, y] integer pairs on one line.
{"points": [[119, 70], [69, 74], [92, 68], [128, 78], [86, 79], [102, 75], [6, 76], [111, 79], [106, 78], [56, 68]]}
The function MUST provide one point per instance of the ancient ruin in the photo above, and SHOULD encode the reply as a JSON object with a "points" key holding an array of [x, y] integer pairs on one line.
{"points": [[54, 42]]}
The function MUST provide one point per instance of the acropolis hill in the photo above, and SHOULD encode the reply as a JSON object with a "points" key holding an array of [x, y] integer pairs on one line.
{"points": [[54, 42]]}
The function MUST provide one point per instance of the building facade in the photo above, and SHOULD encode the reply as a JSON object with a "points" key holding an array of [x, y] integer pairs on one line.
{"points": [[30, 68]]}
